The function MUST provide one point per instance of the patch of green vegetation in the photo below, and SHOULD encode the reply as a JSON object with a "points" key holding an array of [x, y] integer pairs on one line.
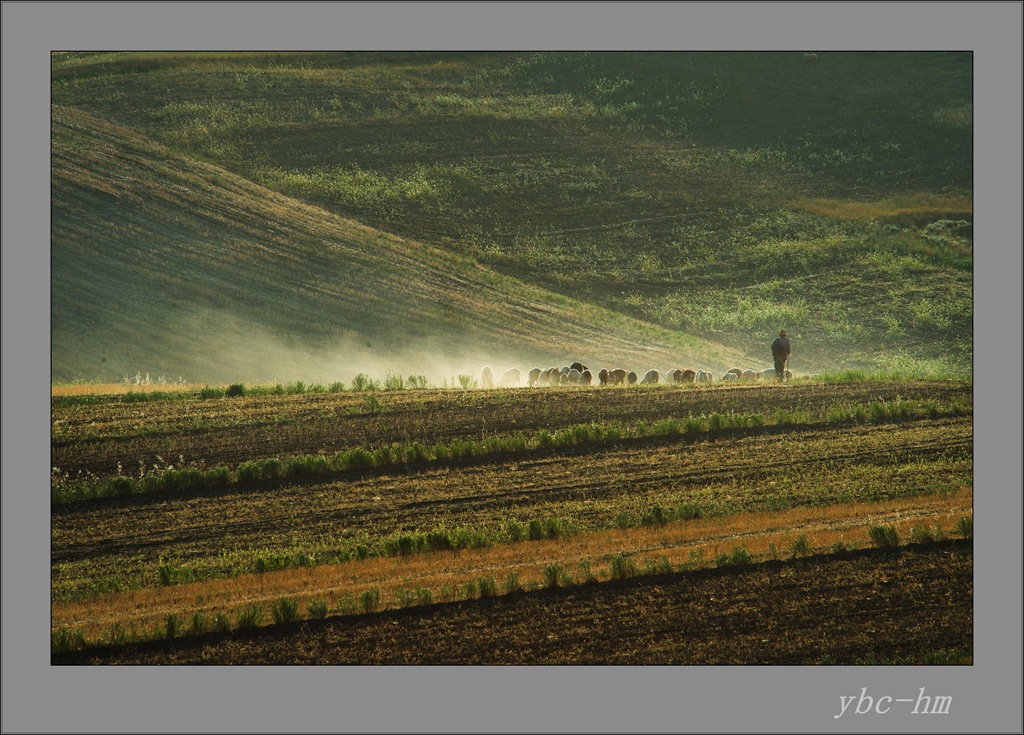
{"points": [[714, 194]]}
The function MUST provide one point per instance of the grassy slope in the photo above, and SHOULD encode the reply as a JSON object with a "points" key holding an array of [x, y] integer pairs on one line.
{"points": [[715, 194], [182, 266]]}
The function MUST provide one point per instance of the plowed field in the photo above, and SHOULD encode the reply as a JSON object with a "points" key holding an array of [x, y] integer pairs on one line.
{"points": [[872, 607], [549, 531]]}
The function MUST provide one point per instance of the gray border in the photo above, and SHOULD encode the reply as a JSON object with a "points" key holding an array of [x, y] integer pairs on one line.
{"points": [[38, 698]]}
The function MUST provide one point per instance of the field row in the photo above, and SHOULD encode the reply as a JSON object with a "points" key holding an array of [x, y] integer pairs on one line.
{"points": [[123, 544], [868, 607], [110, 438]]}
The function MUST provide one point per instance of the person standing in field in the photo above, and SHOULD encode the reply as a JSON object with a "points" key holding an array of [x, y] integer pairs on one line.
{"points": [[780, 353]]}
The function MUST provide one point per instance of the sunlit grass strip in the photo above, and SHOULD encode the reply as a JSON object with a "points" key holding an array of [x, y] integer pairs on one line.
{"points": [[65, 488], [913, 207], [354, 587]]}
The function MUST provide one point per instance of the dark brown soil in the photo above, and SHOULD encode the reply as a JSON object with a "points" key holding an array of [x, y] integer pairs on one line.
{"points": [[864, 607]]}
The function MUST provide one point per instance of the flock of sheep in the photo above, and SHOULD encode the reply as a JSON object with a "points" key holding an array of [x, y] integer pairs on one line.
{"points": [[579, 374]]}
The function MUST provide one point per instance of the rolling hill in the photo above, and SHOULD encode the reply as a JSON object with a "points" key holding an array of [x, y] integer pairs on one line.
{"points": [[263, 216]]}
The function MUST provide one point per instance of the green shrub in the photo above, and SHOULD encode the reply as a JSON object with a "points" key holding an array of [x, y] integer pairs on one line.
{"points": [[487, 586], [405, 597], [512, 583], [317, 609], [737, 557], [235, 390], [171, 625], [221, 623], [370, 600], [922, 534], [285, 610], [249, 616], [64, 640], [965, 526], [801, 547], [621, 567], [200, 623], [553, 575], [884, 536]]}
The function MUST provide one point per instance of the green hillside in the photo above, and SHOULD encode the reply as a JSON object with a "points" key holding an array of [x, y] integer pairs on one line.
{"points": [[253, 215]]}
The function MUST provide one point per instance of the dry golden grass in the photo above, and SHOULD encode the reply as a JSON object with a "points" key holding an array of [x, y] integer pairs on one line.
{"points": [[911, 207], [101, 389], [693, 543]]}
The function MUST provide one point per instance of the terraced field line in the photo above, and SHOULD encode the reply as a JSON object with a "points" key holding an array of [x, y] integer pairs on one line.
{"points": [[679, 542]]}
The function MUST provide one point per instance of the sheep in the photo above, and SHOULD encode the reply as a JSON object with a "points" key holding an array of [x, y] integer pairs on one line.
{"points": [[586, 377], [748, 374], [487, 377], [616, 376], [735, 371], [573, 378], [651, 377], [551, 376], [703, 376], [770, 374], [672, 376], [730, 376], [687, 376], [510, 378], [578, 366], [631, 377], [534, 377], [602, 376]]}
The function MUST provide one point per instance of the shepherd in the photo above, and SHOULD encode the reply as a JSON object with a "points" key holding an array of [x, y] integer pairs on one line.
{"points": [[780, 353]]}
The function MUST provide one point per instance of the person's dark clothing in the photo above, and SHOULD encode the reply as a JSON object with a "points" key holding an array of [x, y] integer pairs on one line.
{"points": [[780, 352]]}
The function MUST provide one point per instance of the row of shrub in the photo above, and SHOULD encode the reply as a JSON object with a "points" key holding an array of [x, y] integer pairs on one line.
{"points": [[621, 566], [192, 478]]}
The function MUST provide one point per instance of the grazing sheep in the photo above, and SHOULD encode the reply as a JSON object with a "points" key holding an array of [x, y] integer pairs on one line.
{"points": [[616, 376], [631, 377], [602, 376], [748, 374], [573, 378], [487, 377], [670, 375], [578, 366], [510, 378], [770, 374], [563, 378], [586, 377], [534, 377], [730, 376], [735, 371], [651, 377], [687, 376], [703, 376], [554, 376]]}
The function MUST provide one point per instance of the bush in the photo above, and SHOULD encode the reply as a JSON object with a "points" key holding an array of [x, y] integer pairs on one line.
{"points": [[801, 547], [65, 639], [621, 567], [285, 610], [884, 536], [370, 600], [249, 616], [235, 390], [317, 609], [965, 526]]}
